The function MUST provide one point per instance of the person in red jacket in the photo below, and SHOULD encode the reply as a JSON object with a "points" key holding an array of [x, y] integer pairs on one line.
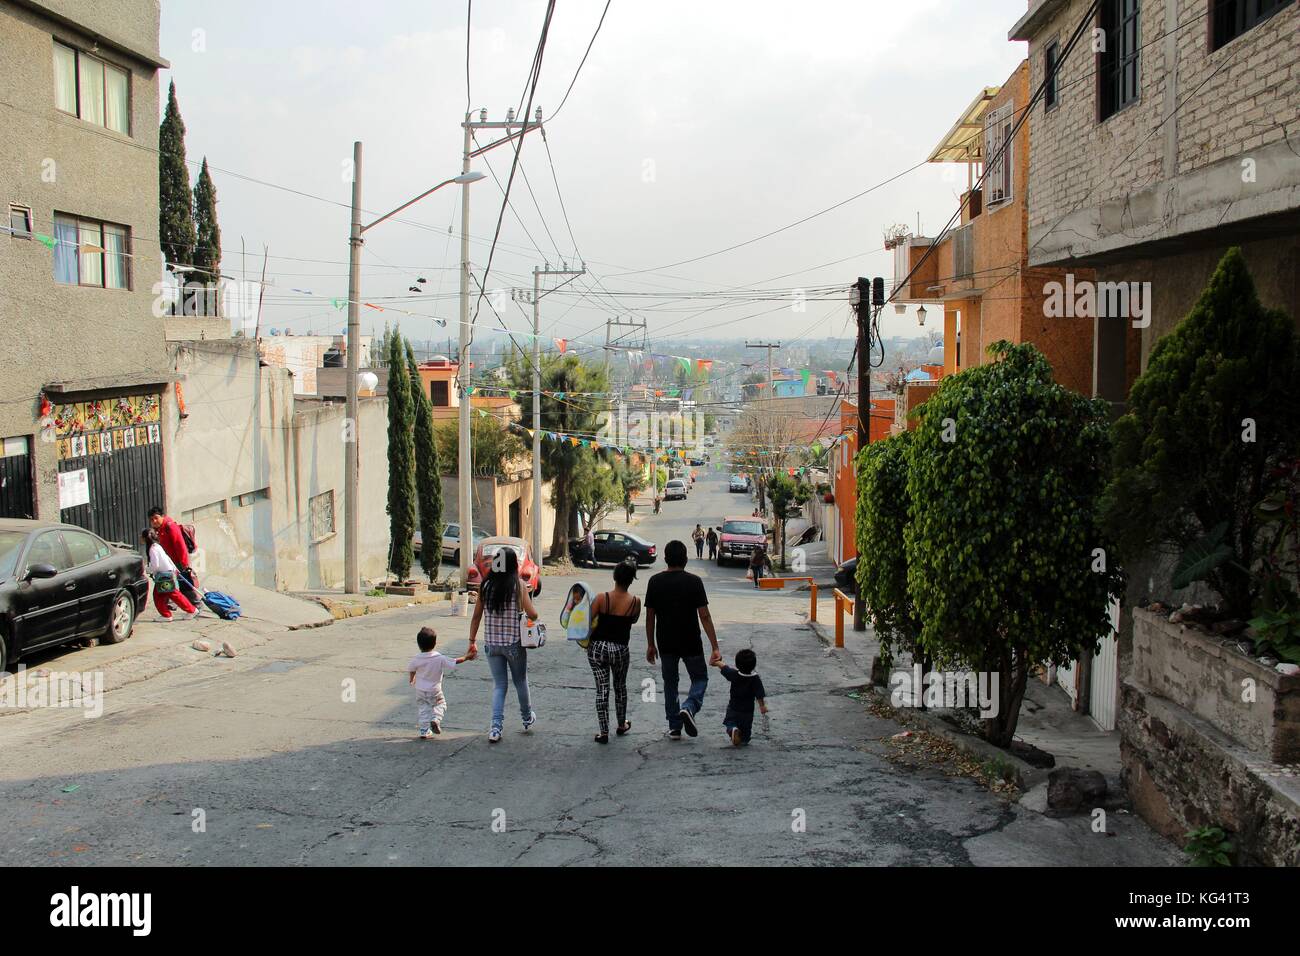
{"points": [[173, 543]]}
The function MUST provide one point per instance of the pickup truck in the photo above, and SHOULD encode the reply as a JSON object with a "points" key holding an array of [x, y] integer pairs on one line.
{"points": [[740, 535]]}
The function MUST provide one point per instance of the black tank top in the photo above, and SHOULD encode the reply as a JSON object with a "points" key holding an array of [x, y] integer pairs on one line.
{"points": [[616, 628]]}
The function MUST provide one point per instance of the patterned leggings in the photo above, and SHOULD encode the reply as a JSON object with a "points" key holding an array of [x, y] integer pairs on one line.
{"points": [[604, 657]]}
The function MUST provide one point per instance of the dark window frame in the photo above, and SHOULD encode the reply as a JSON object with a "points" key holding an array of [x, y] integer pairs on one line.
{"points": [[77, 54], [26, 212], [442, 386], [1230, 19], [1119, 65], [79, 221], [1051, 76]]}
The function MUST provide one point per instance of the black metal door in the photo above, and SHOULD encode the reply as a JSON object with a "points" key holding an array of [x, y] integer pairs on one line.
{"points": [[124, 485], [16, 487]]}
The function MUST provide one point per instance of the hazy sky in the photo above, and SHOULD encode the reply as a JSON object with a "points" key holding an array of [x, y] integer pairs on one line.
{"points": [[693, 126]]}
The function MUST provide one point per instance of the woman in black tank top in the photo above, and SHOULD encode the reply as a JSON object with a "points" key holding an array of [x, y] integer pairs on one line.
{"points": [[607, 653]]}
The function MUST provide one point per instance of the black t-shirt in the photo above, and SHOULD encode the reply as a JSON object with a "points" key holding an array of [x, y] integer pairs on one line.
{"points": [[745, 689], [676, 597]]}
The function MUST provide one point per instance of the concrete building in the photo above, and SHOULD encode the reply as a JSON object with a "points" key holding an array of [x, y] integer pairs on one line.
{"points": [[307, 355], [1148, 160], [258, 471], [78, 261]]}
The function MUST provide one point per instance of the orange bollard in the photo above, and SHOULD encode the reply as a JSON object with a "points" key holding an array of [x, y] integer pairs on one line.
{"points": [[812, 607], [841, 600]]}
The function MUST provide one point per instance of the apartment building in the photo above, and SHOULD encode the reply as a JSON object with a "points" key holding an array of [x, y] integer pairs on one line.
{"points": [[86, 371]]}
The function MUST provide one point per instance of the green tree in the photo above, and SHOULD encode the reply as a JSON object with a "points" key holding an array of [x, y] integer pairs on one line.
{"points": [[1208, 424], [787, 495], [575, 414], [883, 507], [596, 489], [492, 446], [428, 472], [176, 231], [401, 462], [207, 250], [1006, 562]]}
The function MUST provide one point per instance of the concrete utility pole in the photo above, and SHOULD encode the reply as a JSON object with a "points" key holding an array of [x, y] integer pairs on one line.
{"points": [[351, 462], [513, 129], [537, 393]]}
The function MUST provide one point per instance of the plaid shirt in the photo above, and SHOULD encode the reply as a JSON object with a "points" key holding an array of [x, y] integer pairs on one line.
{"points": [[501, 628]]}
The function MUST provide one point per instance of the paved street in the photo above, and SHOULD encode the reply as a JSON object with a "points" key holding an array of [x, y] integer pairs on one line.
{"points": [[280, 767]]}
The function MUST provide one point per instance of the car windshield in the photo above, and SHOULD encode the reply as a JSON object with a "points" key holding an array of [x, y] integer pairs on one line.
{"points": [[492, 549], [11, 542], [743, 527]]}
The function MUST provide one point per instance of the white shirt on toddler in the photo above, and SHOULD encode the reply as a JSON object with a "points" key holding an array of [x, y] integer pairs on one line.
{"points": [[428, 668]]}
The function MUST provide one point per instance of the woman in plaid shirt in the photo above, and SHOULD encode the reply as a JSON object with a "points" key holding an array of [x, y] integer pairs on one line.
{"points": [[501, 598]]}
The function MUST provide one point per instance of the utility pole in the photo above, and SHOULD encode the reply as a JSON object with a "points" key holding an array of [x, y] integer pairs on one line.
{"points": [[771, 388], [867, 298], [513, 129], [537, 392], [351, 462], [611, 344]]}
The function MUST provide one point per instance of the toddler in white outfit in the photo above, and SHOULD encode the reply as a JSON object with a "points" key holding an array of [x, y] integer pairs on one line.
{"points": [[426, 670]]}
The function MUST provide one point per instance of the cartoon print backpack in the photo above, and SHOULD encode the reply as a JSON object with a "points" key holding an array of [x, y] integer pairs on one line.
{"points": [[576, 618]]}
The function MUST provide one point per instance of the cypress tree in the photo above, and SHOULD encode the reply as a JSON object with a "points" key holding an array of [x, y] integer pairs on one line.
{"points": [[428, 474], [207, 251], [176, 233], [401, 463]]}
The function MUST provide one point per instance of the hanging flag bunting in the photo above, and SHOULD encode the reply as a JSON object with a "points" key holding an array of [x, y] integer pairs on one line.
{"points": [[338, 303], [704, 365], [371, 305], [48, 241], [559, 395], [833, 376], [805, 374], [561, 344]]}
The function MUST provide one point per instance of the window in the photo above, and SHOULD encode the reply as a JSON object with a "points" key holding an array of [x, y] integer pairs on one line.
{"points": [[48, 549], [1117, 63], [206, 511], [1229, 19], [321, 512], [438, 394], [84, 548], [92, 253], [20, 221], [243, 501], [92, 89], [998, 155], [1051, 62]]}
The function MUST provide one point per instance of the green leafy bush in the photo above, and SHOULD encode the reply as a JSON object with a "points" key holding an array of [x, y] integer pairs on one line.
{"points": [[1209, 420], [1006, 563], [1209, 846]]}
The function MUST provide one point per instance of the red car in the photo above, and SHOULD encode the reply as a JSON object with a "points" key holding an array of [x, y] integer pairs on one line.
{"points": [[528, 569]]}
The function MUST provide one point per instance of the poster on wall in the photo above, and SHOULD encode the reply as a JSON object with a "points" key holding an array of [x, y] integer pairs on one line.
{"points": [[74, 488]]}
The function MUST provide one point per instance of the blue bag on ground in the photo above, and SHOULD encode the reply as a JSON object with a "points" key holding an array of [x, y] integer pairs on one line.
{"points": [[222, 605]]}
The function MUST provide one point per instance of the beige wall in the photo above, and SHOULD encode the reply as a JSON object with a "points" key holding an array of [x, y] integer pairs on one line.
{"points": [[52, 161], [245, 435]]}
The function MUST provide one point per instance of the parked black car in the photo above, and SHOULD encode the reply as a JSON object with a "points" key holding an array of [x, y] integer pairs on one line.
{"points": [[60, 583], [846, 576], [612, 547]]}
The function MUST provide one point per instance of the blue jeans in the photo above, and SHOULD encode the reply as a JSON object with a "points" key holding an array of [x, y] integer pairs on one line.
{"points": [[699, 674], [514, 658]]}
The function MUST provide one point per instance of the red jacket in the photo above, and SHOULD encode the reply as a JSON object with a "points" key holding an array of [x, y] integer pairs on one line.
{"points": [[169, 536]]}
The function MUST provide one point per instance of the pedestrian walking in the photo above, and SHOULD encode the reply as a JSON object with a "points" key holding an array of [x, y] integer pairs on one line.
{"points": [[172, 539], [676, 607], [502, 597], [712, 539], [166, 579], [746, 690], [590, 544], [757, 562], [614, 613], [698, 537], [427, 669]]}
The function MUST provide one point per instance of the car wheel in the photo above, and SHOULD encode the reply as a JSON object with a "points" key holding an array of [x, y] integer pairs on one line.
{"points": [[455, 557], [121, 617]]}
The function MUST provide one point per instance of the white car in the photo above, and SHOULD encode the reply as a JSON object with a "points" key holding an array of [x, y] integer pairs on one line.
{"points": [[676, 488]]}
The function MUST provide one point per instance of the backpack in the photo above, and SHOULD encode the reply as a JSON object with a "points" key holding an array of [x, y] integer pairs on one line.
{"points": [[576, 617], [222, 605], [187, 535]]}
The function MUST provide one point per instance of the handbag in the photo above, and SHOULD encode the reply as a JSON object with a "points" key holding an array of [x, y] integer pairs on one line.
{"points": [[532, 634], [165, 581]]}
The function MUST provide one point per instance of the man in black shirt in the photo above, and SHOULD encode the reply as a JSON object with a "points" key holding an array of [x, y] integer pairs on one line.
{"points": [[675, 604]]}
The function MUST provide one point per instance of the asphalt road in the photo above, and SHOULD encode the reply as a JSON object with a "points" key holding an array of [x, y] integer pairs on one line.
{"points": [[303, 751]]}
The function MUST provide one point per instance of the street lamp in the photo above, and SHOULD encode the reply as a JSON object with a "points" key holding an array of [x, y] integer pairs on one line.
{"points": [[920, 316], [351, 465]]}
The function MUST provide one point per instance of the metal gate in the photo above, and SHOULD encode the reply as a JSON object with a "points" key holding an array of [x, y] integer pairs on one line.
{"points": [[1104, 685], [16, 499], [124, 485]]}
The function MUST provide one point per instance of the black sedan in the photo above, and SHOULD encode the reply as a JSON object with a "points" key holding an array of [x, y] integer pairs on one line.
{"points": [[60, 583], [612, 547], [846, 576]]}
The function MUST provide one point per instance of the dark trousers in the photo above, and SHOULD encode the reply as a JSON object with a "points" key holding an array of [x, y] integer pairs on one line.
{"points": [[758, 573], [699, 674], [189, 586]]}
